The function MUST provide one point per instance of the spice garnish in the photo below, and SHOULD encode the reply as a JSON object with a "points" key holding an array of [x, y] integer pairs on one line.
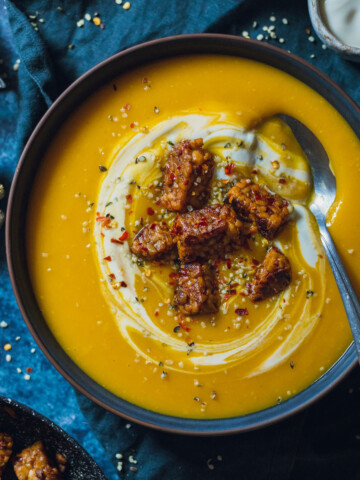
{"points": [[229, 169], [242, 311], [150, 211], [102, 168]]}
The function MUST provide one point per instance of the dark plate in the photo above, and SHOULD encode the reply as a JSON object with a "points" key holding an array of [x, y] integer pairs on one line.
{"points": [[27, 426], [30, 161]]}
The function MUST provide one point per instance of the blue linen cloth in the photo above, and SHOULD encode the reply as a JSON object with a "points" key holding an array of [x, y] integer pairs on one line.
{"points": [[321, 442]]}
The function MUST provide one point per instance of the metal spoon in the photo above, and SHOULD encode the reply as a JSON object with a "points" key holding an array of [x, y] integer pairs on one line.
{"points": [[325, 191]]}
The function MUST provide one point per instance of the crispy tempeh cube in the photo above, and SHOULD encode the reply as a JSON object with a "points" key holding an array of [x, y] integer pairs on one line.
{"points": [[187, 176], [34, 464], [6, 444], [153, 241], [196, 291], [272, 276], [213, 230], [256, 204]]}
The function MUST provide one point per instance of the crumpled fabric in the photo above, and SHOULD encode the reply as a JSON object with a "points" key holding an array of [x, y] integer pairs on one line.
{"points": [[322, 442]]}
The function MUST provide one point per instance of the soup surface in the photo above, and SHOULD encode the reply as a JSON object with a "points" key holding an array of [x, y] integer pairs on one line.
{"points": [[112, 312]]}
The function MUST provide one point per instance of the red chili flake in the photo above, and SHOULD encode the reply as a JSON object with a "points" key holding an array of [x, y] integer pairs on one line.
{"points": [[172, 176], [282, 181], [105, 221], [29, 370], [235, 284], [218, 261], [102, 234], [112, 276], [172, 274], [229, 294], [123, 284], [186, 181], [228, 263], [115, 240], [124, 236], [108, 258], [132, 125], [241, 311], [150, 211], [254, 172], [184, 326], [129, 198], [156, 313], [243, 294], [229, 169], [151, 186], [284, 300], [144, 80], [127, 106], [255, 262]]}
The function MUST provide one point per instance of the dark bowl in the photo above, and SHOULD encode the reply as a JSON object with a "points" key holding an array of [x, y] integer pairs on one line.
{"points": [[26, 171], [27, 426]]}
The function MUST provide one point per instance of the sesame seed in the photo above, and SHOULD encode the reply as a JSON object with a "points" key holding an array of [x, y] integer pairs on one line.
{"points": [[80, 23], [323, 46], [7, 347], [118, 2], [119, 456], [245, 34], [260, 37], [272, 18], [126, 5], [27, 377], [8, 358], [3, 324], [285, 21], [311, 39], [281, 40], [87, 17], [350, 251]]}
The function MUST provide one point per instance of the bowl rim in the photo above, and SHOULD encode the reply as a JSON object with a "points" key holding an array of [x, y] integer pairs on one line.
{"points": [[31, 413], [81, 381]]}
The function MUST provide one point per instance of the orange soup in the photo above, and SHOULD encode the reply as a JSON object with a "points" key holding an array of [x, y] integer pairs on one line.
{"points": [[100, 182]]}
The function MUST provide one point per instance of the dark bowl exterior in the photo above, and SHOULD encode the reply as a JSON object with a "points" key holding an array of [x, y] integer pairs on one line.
{"points": [[27, 426], [21, 186]]}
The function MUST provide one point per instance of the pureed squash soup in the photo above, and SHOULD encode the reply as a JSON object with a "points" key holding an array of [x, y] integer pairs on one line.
{"points": [[100, 182]]}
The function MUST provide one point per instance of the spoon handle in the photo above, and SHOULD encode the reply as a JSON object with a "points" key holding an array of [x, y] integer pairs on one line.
{"points": [[348, 294]]}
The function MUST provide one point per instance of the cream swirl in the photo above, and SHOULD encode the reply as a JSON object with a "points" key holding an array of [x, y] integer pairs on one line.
{"points": [[278, 332]]}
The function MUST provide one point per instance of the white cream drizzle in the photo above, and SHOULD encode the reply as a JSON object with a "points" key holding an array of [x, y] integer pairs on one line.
{"points": [[132, 317]]}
